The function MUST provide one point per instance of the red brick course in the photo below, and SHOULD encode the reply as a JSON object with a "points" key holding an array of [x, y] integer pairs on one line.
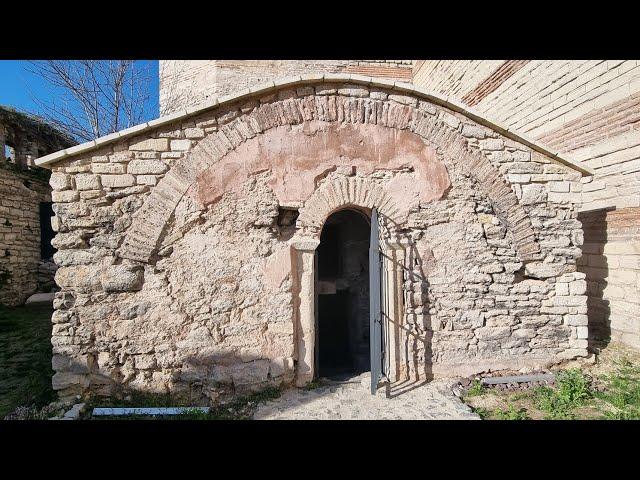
{"points": [[491, 83]]}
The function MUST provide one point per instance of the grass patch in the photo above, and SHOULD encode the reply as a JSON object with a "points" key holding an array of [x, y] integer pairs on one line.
{"points": [[621, 395], [573, 390], [25, 357], [612, 392], [482, 412], [511, 413], [475, 389]]}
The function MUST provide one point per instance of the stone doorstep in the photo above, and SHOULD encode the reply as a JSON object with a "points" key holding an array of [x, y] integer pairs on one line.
{"points": [[156, 411]]}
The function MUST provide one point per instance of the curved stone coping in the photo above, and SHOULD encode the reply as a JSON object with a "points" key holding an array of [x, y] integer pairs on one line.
{"points": [[400, 87]]}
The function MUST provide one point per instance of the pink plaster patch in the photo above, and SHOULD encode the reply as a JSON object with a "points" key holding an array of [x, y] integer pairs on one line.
{"points": [[277, 267], [298, 156]]}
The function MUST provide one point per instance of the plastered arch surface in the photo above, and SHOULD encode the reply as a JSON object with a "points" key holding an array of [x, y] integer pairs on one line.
{"points": [[331, 110]]}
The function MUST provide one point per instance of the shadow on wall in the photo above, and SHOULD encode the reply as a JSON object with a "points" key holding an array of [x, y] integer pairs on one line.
{"points": [[413, 357], [202, 381], [594, 265], [199, 380]]}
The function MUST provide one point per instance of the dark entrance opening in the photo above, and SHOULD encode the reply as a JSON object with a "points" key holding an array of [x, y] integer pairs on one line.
{"points": [[46, 231], [343, 295]]}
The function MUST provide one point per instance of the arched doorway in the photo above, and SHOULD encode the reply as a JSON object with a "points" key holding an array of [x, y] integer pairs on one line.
{"points": [[342, 287]]}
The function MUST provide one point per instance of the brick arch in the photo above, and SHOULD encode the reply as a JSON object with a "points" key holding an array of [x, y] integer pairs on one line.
{"points": [[347, 192], [348, 106]]}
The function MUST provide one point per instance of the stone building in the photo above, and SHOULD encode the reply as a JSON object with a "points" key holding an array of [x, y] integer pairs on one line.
{"points": [[588, 110], [26, 264], [225, 246]]}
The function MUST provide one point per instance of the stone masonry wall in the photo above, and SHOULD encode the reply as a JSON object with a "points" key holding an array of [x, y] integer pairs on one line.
{"points": [[185, 83], [212, 309], [21, 269]]}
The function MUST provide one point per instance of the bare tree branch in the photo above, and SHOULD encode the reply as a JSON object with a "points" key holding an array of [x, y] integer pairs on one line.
{"points": [[87, 99]]}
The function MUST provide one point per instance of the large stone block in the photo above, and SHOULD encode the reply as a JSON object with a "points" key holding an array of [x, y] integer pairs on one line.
{"points": [[60, 181], [87, 181], [122, 278], [146, 167], [109, 168], [151, 144], [545, 270], [532, 194], [65, 196], [118, 181], [80, 277]]}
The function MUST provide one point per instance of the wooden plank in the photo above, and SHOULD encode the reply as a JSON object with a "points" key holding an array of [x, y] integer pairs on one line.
{"points": [[545, 377], [156, 411]]}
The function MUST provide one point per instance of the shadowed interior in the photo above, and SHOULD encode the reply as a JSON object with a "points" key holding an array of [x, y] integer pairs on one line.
{"points": [[343, 295]]}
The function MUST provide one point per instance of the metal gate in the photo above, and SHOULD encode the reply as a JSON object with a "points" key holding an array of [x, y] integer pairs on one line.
{"points": [[375, 316]]}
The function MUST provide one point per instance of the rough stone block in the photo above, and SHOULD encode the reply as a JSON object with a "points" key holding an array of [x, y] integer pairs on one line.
{"points": [[544, 270], [576, 320], [194, 132], [65, 196], [579, 287], [151, 144], [87, 181], [180, 145], [109, 168], [60, 181], [122, 278], [118, 181], [532, 194], [562, 288], [146, 167]]}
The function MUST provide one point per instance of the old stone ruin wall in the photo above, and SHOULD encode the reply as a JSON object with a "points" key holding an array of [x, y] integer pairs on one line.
{"points": [[25, 197], [213, 309], [23, 271]]}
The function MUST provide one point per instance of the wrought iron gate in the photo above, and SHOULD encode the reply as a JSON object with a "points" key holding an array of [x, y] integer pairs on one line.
{"points": [[375, 317]]}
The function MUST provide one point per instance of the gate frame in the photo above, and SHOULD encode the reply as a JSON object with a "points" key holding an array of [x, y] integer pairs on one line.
{"points": [[303, 271]]}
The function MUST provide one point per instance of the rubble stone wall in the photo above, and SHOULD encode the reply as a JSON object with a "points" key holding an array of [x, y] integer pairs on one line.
{"points": [[22, 271], [177, 276]]}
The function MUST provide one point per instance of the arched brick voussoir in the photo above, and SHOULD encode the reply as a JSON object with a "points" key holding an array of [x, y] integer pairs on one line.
{"points": [[338, 111], [347, 192]]}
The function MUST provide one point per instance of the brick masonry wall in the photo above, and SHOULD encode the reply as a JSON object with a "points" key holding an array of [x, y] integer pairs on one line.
{"points": [[611, 261], [21, 270], [590, 112], [185, 83], [453, 77], [210, 304]]}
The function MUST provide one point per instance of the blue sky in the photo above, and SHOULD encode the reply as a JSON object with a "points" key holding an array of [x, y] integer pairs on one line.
{"points": [[17, 85]]}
